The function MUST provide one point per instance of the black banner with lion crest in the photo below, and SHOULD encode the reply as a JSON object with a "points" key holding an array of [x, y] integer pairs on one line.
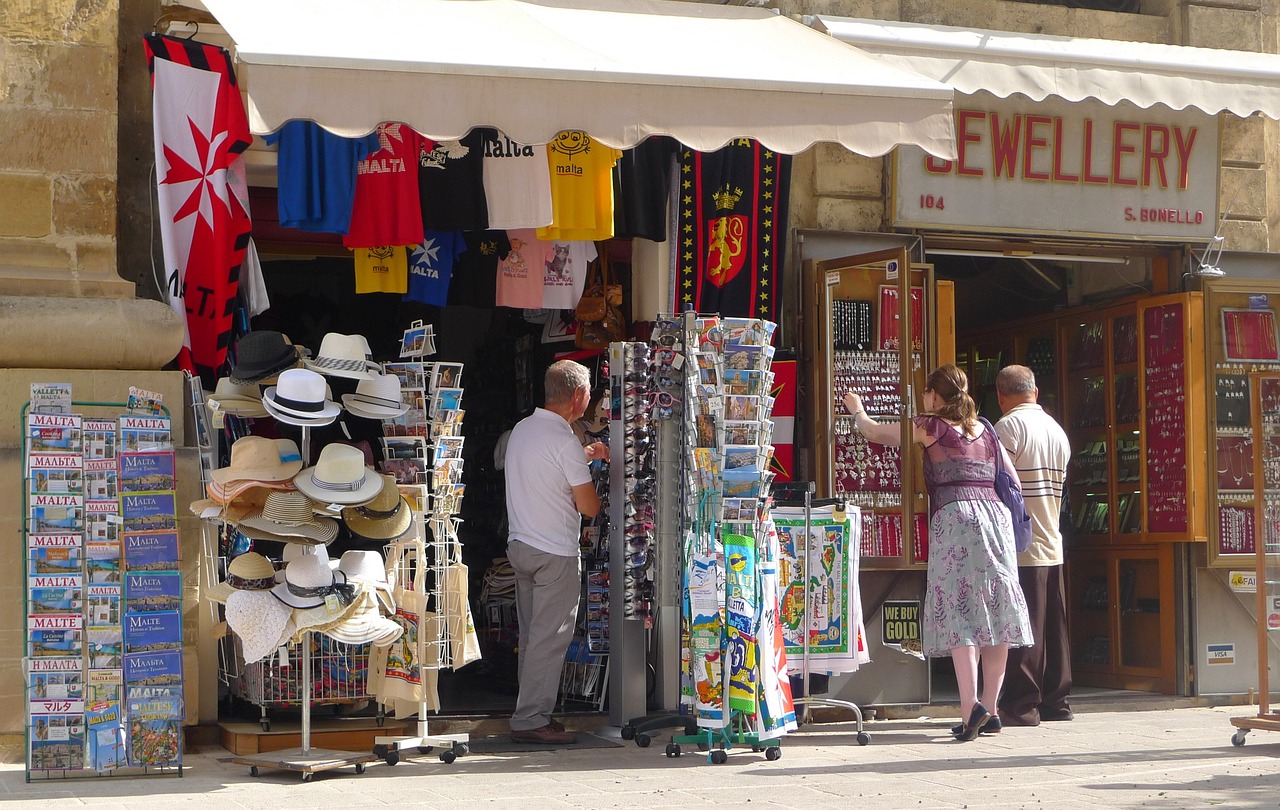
{"points": [[732, 227]]}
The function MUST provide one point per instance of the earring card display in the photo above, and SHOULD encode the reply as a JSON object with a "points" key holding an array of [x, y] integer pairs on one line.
{"points": [[1165, 427], [103, 669], [1249, 335], [889, 331]]}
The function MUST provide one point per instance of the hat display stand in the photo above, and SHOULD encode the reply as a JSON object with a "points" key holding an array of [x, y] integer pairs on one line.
{"points": [[426, 560], [305, 759]]}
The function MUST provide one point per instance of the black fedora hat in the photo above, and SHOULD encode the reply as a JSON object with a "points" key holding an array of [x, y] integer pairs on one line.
{"points": [[260, 355]]}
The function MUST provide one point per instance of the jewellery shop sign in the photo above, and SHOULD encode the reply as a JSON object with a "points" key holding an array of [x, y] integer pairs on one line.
{"points": [[1056, 167]]}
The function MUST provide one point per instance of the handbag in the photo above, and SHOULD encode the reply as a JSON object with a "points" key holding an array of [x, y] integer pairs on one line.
{"points": [[595, 300], [595, 333], [1010, 494]]}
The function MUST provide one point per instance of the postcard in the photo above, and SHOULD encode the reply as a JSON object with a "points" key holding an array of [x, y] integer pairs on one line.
{"points": [[414, 341], [103, 684], [404, 447], [705, 427], [145, 434], [146, 472], [141, 401], [446, 471], [744, 382], [57, 740], [406, 470], [412, 375], [738, 510], [416, 494], [449, 500], [105, 646], [55, 595], [445, 399], [154, 731], [55, 433], [50, 398], [743, 357], [446, 375], [152, 632], [154, 668], [50, 554], [747, 331], [449, 447], [152, 592], [741, 456], [105, 730], [99, 439], [411, 423], [741, 432], [710, 334], [152, 512], [707, 463], [151, 551], [104, 605], [740, 408]]}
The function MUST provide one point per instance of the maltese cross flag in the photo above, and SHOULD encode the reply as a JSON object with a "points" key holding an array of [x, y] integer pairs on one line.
{"points": [[201, 133]]}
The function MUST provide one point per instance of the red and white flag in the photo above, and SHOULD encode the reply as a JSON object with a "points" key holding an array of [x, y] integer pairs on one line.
{"points": [[201, 133]]}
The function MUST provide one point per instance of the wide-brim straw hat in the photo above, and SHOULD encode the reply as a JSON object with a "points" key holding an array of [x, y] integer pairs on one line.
{"points": [[255, 458], [237, 399], [245, 492], [386, 517], [339, 476], [365, 625], [259, 619], [288, 517], [326, 615], [248, 572]]}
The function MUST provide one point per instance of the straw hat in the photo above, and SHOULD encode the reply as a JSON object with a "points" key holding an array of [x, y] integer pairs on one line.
{"points": [[260, 620], [237, 399], [287, 517], [376, 397], [260, 355], [300, 397], [238, 493], [254, 458], [248, 572], [340, 476], [343, 356], [365, 624], [386, 517]]}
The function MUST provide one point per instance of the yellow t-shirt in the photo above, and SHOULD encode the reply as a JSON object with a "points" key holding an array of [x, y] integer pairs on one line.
{"points": [[382, 270], [581, 188]]}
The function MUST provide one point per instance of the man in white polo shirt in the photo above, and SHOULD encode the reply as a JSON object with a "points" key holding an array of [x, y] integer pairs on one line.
{"points": [[1037, 678], [549, 489]]}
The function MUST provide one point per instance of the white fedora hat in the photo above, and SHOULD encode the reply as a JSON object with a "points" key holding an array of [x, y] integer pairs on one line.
{"points": [[343, 356], [340, 476], [301, 394], [293, 551], [309, 582], [369, 569], [260, 620], [288, 517], [376, 397]]}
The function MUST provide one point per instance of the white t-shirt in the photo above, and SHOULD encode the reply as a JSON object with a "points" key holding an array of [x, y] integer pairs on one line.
{"points": [[565, 273], [544, 462], [517, 184]]}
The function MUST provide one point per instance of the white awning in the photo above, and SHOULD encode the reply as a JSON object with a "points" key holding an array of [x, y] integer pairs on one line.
{"points": [[704, 74], [1038, 66]]}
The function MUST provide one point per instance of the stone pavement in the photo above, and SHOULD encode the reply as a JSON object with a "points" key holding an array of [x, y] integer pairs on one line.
{"points": [[1169, 758]]}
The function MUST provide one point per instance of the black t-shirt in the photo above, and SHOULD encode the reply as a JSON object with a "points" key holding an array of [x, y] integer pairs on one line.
{"points": [[641, 181], [475, 273], [451, 185]]}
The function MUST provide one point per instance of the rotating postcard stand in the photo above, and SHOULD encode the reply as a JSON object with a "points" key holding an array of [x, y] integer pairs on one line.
{"points": [[306, 760]]}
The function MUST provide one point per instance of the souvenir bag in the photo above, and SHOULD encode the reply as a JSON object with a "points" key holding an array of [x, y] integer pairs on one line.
{"points": [[464, 643], [1010, 494], [404, 675], [599, 311]]}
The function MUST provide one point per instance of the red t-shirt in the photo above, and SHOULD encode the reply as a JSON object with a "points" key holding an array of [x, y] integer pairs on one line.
{"points": [[386, 209]]}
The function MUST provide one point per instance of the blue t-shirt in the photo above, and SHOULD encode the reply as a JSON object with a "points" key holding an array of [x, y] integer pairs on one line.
{"points": [[316, 174], [431, 266]]}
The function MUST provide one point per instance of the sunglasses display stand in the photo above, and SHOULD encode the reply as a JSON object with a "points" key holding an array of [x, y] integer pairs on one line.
{"points": [[306, 760]]}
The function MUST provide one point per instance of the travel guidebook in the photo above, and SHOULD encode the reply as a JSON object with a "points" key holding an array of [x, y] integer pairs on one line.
{"points": [[56, 514], [52, 595], [152, 592], [153, 669], [57, 740], [151, 512], [53, 554], [151, 551], [146, 472], [51, 398], [99, 441], [105, 646], [154, 731], [54, 679], [56, 473], [104, 605], [103, 684], [145, 434], [55, 433], [152, 632], [106, 735], [103, 562]]}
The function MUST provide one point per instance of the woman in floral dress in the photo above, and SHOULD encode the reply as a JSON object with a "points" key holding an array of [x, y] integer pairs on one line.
{"points": [[974, 609]]}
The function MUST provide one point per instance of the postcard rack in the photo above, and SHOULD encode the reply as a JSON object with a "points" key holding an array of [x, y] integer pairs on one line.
{"points": [[80, 685]]}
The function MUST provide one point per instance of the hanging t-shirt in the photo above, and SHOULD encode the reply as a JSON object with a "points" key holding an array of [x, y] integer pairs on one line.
{"points": [[641, 181], [386, 209], [381, 270], [316, 175], [565, 273], [517, 183], [431, 266], [475, 273], [520, 272], [451, 184], [581, 188]]}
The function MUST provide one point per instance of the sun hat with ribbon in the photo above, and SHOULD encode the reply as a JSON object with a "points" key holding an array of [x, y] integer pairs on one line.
{"points": [[300, 397], [237, 399], [339, 476], [365, 624], [376, 397], [248, 572], [260, 620], [386, 517], [343, 356], [241, 493], [288, 517], [309, 582], [293, 551], [254, 458], [260, 355], [369, 569]]}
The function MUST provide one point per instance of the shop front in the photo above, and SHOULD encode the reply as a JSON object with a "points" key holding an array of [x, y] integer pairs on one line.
{"points": [[1083, 230]]}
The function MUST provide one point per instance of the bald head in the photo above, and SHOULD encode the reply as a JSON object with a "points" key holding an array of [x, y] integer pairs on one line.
{"points": [[1015, 385]]}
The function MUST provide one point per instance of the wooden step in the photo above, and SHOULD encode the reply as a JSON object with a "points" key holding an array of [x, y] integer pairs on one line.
{"points": [[339, 734]]}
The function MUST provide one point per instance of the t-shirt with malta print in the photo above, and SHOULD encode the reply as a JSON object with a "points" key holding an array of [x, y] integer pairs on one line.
{"points": [[520, 272], [451, 184], [386, 210], [581, 188], [564, 273], [381, 270]]}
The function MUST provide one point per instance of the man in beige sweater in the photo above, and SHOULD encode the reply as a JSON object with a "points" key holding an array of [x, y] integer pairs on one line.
{"points": [[1038, 678]]}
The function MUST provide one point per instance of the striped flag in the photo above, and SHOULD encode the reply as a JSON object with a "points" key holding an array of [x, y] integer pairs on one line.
{"points": [[201, 133]]}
